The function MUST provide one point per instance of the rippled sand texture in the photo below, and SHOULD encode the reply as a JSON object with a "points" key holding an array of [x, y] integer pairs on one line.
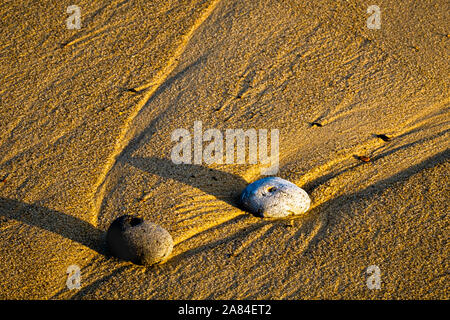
{"points": [[79, 148]]}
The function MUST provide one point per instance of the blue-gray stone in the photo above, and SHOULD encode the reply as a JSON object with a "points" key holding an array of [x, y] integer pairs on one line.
{"points": [[274, 197]]}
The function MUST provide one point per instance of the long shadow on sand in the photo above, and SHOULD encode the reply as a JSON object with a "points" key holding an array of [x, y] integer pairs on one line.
{"points": [[222, 185], [54, 221]]}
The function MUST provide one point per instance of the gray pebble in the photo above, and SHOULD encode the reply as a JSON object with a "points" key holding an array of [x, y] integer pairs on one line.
{"points": [[142, 242], [274, 197]]}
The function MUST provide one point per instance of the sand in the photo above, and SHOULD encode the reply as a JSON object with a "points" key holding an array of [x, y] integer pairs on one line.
{"points": [[79, 148]]}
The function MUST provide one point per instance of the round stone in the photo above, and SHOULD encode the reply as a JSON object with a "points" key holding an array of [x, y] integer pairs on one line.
{"points": [[274, 197], [142, 242]]}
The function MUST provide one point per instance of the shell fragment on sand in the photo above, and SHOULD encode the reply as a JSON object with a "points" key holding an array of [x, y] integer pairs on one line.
{"points": [[142, 242], [274, 197]]}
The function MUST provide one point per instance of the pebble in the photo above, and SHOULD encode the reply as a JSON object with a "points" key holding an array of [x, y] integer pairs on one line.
{"points": [[139, 241], [274, 197]]}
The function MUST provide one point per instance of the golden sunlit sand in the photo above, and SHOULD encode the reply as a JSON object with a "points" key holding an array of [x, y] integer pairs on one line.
{"points": [[87, 117]]}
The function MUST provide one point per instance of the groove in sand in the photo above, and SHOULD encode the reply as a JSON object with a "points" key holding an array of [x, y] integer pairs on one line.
{"points": [[154, 85]]}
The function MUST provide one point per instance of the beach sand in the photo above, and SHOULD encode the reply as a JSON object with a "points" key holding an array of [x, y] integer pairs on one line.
{"points": [[78, 148]]}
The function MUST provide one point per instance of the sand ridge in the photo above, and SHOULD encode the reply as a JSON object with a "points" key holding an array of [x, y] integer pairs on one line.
{"points": [[88, 119]]}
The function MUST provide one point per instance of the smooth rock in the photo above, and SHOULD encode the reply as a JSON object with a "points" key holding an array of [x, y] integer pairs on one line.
{"points": [[274, 197], [142, 242]]}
